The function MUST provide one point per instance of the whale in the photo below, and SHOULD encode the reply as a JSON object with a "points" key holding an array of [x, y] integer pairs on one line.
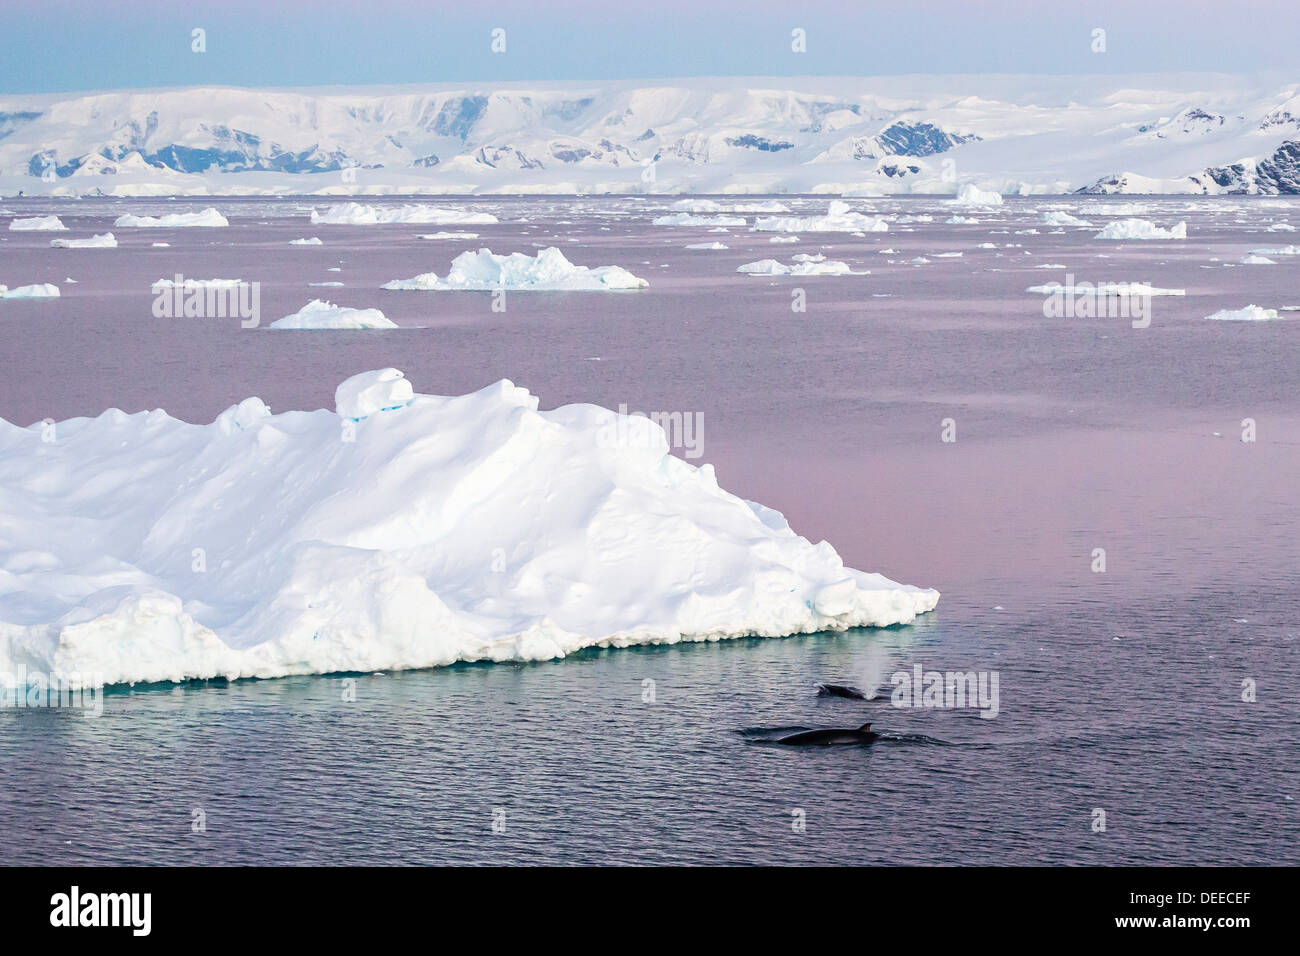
{"points": [[840, 690], [860, 736]]}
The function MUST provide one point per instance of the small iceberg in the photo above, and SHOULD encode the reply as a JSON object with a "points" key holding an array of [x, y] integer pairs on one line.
{"points": [[313, 241], [208, 218], [1251, 313], [42, 290], [548, 271], [319, 314], [1141, 229], [37, 224], [839, 218], [105, 241], [972, 195]]}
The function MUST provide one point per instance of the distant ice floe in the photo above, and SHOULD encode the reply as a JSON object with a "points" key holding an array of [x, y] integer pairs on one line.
{"points": [[208, 218], [1279, 251], [442, 529], [1251, 313], [355, 214], [809, 266], [783, 239], [37, 224], [1254, 260], [972, 195], [196, 284], [961, 221], [708, 245], [105, 241], [1281, 227], [448, 235], [1134, 289], [548, 271], [713, 206], [690, 219], [319, 314], [839, 218], [313, 241], [1059, 218], [42, 290], [1141, 229]]}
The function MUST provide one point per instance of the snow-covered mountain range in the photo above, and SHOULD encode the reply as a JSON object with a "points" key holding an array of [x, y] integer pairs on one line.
{"points": [[1184, 133]]}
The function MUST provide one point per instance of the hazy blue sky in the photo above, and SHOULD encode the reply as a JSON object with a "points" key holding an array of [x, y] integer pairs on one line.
{"points": [[61, 45]]}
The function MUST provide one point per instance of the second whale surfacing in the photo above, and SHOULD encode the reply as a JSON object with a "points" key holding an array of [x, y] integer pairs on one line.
{"points": [[860, 736]]}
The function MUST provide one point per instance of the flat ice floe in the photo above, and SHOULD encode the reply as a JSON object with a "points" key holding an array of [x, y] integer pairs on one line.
{"points": [[312, 241], [355, 214], [1279, 251], [690, 219], [318, 314], [448, 235], [548, 271], [395, 531], [716, 246], [1141, 229], [1251, 313], [41, 290], [1104, 288], [37, 224], [104, 241], [839, 218], [207, 218]]}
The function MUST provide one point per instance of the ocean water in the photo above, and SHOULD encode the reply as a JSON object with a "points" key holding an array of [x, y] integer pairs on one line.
{"points": [[1118, 691]]}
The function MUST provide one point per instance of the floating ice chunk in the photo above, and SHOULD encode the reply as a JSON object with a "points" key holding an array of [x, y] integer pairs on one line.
{"points": [[355, 214], [1281, 227], [105, 241], [207, 218], [839, 218], [318, 314], [196, 284], [708, 245], [371, 392], [1141, 229], [713, 206], [41, 290], [313, 241], [160, 245], [1279, 251], [1059, 218], [548, 271], [448, 235], [470, 528], [1254, 260], [1251, 313], [961, 221], [972, 195], [37, 224], [783, 239]]}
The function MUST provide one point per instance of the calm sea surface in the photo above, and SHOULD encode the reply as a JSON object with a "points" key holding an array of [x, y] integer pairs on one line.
{"points": [[1118, 691]]}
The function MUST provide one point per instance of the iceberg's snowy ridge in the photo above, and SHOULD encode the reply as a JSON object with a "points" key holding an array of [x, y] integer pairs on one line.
{"points": [[206, 218], [399, 531], [355, 214]]}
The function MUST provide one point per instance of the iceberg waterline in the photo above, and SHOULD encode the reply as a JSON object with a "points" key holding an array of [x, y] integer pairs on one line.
{"points": [[397, 531]]}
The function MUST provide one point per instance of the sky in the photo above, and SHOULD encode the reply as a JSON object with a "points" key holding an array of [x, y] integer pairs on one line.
{"points": [[76, 45]]}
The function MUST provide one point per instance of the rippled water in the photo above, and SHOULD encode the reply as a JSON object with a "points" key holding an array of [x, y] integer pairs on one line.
{"points": [[1118, 691]]}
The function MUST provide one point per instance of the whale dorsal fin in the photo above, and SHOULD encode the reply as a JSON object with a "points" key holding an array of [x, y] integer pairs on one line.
{"points": [[865, 727]]}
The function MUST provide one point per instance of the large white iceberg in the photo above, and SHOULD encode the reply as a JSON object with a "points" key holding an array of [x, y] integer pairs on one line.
{"points": [[807, 267], [318, 314], [105, 241], [37, 224], [431, 530], [355, 214], [1141, 229], [207, 218], [839, 218], [548, 271]]}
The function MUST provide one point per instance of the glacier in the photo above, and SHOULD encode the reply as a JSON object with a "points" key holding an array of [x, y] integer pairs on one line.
{"points": [[851, 136], [397, 530]]}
